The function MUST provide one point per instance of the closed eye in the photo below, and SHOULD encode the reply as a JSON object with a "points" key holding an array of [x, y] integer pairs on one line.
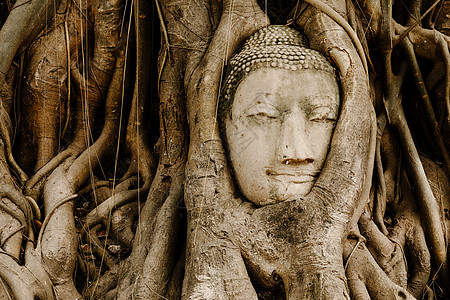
{"points": [[262, 110], [263, 114], [322, 114]]}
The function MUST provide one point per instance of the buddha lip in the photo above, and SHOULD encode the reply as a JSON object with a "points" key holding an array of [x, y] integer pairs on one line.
{"points": [[293, 176]]}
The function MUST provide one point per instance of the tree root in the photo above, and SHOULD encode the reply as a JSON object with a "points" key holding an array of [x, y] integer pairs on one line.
{"points": [[426, 200], [102, 213], [163, 250], [23, 284], [323, 7], [122, 221], [29, 281], [437, 136], [21, 202], [45, 93], [23, 24], [59, 251], [5, 135], [388, 255], [98, 248], [381, 197], [226, 276], [366, 279], [143, 159]]}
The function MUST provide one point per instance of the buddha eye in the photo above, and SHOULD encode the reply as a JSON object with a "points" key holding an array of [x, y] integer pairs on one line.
{"points": [[262, 112], [322, 114]]}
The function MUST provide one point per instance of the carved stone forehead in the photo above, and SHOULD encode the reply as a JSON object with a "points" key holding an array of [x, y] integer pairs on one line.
{"points": [[275, 46]]}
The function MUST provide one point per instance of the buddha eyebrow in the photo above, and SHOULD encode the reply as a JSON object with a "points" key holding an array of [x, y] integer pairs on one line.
{"points": [[264, 97], [319, 97], [315, 101], [307, 106]]}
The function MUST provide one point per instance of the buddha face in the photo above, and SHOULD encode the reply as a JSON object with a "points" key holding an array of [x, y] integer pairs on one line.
{"points": [[279, 132]]}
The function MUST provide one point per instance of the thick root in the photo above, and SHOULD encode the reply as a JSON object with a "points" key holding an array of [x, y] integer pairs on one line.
{"points": [[59, 241], [366, 279]]}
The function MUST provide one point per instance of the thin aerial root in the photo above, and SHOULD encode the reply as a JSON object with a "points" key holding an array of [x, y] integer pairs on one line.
{"points": [[446, 55], [50, 214], [69, 87], [380, 203], [18, 199], [163, 25], [5, 133], [352, 253], [408, 47], [35, 207], [405, 33]]}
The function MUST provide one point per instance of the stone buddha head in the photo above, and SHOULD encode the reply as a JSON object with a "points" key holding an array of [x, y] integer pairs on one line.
{"points": [[278, 109]]}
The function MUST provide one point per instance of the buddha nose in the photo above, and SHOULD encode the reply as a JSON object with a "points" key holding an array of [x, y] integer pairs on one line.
{"points": [[294, 147]]}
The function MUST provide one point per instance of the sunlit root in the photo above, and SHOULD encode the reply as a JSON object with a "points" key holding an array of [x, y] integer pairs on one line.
{"points": [[387, 254], [366, 280], [23, 24], [43, 98], [226, 277], [162, 256], [116, 211], [91, 90], [15, 212], [23, 283], [15, 197], [47, 88], [441, 188], [103, 212], [12, 228], [59, 251]]}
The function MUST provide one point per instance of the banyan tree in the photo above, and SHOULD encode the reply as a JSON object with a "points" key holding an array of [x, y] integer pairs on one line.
{"points": [[230, 149]]}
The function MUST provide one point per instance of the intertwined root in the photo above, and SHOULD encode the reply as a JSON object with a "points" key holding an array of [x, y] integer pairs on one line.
{"points": [[74, 88]]}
